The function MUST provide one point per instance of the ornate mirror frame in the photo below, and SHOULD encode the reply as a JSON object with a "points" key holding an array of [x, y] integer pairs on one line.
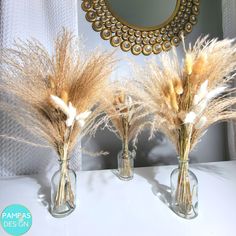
{"points": [[137, 39]]}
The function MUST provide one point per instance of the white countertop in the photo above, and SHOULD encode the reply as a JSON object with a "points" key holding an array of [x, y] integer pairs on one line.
{"points": [[110, 207]]}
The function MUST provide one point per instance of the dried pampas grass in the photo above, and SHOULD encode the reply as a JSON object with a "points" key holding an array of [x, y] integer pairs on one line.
{"points": [[126, 117], [55, 96], [54, 92], [124, 114], [187, 99]]}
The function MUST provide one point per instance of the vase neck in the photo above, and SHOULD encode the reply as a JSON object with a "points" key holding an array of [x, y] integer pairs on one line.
{"points": [[64, 164], [183, 163]]}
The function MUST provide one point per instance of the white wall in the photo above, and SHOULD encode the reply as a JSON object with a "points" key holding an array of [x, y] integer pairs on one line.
{"points": [[158, 151], [26, 19]]}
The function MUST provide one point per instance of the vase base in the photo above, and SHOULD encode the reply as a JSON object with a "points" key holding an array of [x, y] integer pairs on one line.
{"points": [[58, 214], [121, 177], [190, 214], [125, 178]]}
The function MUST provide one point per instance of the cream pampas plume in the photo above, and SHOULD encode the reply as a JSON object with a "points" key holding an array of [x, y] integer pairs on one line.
{"points": [[57, 94]]}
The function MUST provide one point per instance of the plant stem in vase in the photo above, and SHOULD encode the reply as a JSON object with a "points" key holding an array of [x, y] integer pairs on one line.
{"points": [[63, 187], [63, 191], [184, 184], [126, 160]]}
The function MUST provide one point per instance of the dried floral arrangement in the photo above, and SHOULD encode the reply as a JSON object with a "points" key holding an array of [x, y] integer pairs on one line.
{"points": [[125, 116], [186, 98], [55, 95]]}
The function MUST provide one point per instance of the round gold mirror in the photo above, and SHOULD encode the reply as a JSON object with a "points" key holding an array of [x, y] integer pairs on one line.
{"points": [[142, 26]]}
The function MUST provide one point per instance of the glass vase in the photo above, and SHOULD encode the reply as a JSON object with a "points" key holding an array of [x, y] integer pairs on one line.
{"points": [[125, 160], [184, 191], [63, 188]]}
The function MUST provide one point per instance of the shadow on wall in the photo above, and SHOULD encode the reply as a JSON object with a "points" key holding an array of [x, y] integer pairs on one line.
{"points": [[157, 151]]}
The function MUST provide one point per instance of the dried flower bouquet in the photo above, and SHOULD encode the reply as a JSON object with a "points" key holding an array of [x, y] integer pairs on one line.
{"points": [[57, 95], [186, 99], [128, 118]]}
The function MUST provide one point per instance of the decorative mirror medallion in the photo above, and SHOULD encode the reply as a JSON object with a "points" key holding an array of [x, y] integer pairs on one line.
{"points": [[142, 26]]}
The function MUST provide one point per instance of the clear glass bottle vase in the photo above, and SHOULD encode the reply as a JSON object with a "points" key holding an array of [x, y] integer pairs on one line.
{"points": [[184, 191], [125, 160], [63, 189]]}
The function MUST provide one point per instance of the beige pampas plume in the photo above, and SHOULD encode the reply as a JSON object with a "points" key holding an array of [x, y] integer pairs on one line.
{"points": [[203, 80], [55, 91], [178, 85], [189, 63]]}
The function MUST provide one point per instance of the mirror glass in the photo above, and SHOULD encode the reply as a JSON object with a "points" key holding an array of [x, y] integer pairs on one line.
{"points": [[142, 13]]}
